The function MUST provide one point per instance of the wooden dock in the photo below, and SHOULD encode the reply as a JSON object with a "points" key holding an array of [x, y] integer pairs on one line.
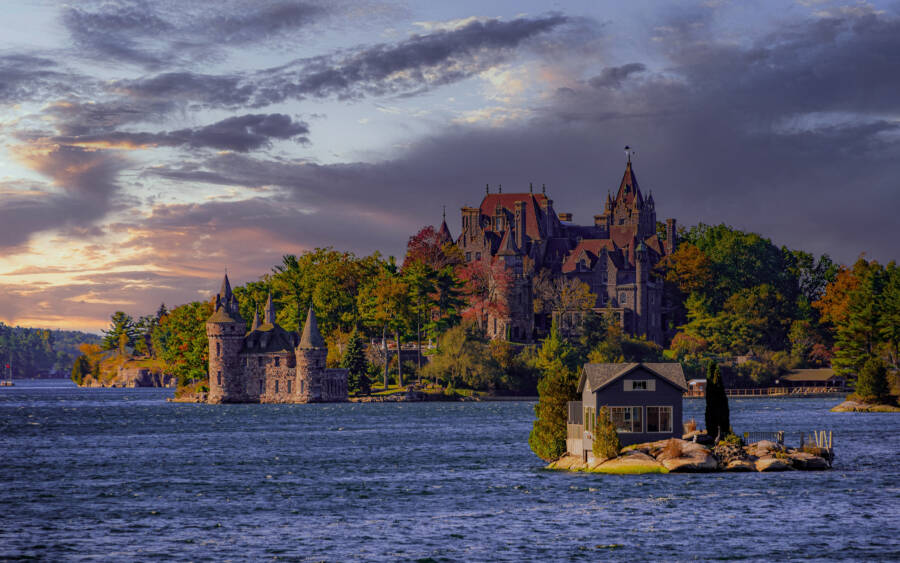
{"points": [[771, 392]]}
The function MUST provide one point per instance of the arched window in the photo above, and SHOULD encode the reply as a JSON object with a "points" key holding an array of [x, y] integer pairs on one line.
{"points": [[218, 350]]}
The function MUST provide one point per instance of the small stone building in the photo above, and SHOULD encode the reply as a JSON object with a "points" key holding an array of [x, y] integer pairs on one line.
{"points": [[644, 400], [268, 364]]}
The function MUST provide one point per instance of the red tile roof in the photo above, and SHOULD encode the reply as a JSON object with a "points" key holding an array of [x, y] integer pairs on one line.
{"points": [[533, 204]]}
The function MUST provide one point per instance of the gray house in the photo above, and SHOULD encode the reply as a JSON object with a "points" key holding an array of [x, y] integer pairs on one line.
{"points": [[644, 401]]}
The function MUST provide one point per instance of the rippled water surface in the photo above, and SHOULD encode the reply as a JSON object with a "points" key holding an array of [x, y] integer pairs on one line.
{"points": [[121, 474]]}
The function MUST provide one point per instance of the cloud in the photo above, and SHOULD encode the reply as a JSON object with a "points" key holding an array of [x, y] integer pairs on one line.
{"points": [[241, 133], [26, 77], [161, 34], [210, 90], [613, 76]]}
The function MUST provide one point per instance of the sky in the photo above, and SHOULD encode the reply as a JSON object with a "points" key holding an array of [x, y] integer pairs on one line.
{"points": [[146, 146]]}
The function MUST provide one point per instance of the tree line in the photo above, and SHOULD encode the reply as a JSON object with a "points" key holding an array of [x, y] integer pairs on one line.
{"points": [[35, 352]]}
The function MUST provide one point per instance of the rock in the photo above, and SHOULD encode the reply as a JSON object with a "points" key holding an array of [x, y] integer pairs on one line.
{"points": [[766, 446], [696, 461], [809, 462], [634, 463], [772, 464], [740, 465], [689, 436], [568, 462]]}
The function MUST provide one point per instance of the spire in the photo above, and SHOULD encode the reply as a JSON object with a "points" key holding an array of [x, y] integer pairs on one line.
{"points": [[311, 337], [507, 245], [487, 189], [500, 188], [444, 231], [530, 188], [629, 191], [255, 319], [270, 310], [225, 291]]}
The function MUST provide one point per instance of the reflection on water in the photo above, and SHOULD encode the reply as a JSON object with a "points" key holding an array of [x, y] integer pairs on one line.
{"points": [[122, 474]]}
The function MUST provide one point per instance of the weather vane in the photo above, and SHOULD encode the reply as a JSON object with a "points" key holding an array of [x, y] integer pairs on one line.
{"points": [[629, 152]]}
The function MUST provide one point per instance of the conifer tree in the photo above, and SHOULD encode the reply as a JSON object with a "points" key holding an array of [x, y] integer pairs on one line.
{"points": [[354, 361], [80, 368], [872, 384], [606, 440], [555, 389], [718, 424]]}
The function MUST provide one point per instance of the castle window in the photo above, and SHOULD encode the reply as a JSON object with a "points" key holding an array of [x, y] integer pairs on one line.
{"points": [[218, 350], [276, 386], [260, 386], [277, 363], [302, 386], [623, 298], [219, 378], [289, 385], [259, 362], [468, 256], [478, 256]]}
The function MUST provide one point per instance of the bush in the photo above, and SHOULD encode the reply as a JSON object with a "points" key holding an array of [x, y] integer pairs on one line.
{"points": [[606, 440], [872, 384], [732, 439]]}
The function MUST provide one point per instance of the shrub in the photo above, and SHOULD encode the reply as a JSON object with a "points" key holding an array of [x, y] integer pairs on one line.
{"points": [[732, 439], [606, 440], [872, 384]]}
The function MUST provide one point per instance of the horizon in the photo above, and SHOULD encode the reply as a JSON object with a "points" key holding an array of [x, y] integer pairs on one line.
{"points": [[147, 146]]}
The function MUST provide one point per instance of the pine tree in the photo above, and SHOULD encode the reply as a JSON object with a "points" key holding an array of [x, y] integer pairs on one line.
{"points": [[717, 415], [606, 440], [354, 360], [555, 389], [80, 368], [872, 384]]}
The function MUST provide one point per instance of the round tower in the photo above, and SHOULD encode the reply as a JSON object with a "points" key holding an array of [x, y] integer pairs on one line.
{"points": [[225, 331], [311, 353]]}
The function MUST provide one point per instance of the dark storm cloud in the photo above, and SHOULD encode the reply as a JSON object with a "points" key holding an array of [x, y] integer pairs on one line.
{"points": [[79, 118], [240, 133], [613, 76], [206, 89], [160, 34], [793, 137], [420, 62], [86, 183], [25, 77]]}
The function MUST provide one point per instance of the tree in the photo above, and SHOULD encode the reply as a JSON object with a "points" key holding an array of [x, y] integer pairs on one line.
{"points": [[80, 369], [555, 389], [121, 324], [486, 284], [182, 341], [872, 384], [858, 337], [718, 424], [889, 323], [689, 269], [606, 443], [354, 361], [384, 303]]}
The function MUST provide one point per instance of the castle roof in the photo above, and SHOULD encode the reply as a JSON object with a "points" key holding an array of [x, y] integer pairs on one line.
{"points": [[629, 191], [226, 306], [269, 337], [533, 209], [507, 245], [311, 338], [444, 233]]}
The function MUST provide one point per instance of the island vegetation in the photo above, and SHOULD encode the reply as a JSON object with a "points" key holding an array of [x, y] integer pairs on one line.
{"points": [[38, 352]]}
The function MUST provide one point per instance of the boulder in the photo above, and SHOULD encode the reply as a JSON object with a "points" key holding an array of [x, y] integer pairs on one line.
{"points": [[696, 461], [690, 435], [772, 464], [569, 462], [631, 463], [809, 462], [740, 465]]}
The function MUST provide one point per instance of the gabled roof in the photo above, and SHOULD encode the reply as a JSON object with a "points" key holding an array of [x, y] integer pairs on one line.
{"points": [[601, 375], [269, 337], [507, 245], [533, 203]]}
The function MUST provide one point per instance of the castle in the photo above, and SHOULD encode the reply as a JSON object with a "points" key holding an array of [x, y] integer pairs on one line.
{"points": [[267, 364], [615, 256]]}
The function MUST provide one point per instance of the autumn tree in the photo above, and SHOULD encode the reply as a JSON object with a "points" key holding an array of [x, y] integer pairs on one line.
{"points": [[486, 284], [385, 303], [180, 341]]}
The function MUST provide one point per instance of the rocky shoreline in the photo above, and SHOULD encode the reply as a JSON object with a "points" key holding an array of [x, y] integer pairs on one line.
{"points": [[856, 406], [683, 456]]}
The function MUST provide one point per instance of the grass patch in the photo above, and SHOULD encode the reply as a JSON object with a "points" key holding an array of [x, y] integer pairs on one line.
{"points": [[628, 470]]}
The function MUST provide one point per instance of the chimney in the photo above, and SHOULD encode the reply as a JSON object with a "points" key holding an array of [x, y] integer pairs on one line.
{"points": [[520, 224], [671, 236]]}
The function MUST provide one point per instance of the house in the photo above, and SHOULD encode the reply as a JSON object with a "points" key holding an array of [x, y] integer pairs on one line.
{"points": [[644, 400], [822, 377], [696, 388]]}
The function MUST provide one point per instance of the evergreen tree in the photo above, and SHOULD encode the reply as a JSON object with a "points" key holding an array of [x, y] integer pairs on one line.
{"points": [[717, 416], [555, 389], [80, 368], [354, 360], [872, 384], [120, 324], [606, 440]]}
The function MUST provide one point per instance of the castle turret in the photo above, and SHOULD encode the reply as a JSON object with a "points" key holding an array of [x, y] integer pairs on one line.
{"points": [[671, 237], [311, 353], [225, 332], [270, 311]]}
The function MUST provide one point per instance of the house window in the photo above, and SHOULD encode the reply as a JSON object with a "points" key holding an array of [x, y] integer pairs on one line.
{"points": [[627, 419], [659, 419], [640, 385], [589, 419], [277, 362]]}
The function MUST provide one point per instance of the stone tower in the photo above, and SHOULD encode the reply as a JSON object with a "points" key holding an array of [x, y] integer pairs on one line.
{"points": [[642, 271], [225, 330], [311, 353]]}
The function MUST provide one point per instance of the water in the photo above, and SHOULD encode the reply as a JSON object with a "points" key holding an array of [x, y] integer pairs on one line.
{"points": [[121, 474]]}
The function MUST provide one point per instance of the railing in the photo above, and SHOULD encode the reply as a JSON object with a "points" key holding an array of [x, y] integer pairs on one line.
{"points": [[777, 437], [772, 391]]}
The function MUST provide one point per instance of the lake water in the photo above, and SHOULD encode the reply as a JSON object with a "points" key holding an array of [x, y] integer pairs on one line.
{"points": [[120, 474]]}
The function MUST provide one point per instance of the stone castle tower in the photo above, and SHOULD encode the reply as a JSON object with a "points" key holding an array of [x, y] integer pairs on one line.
{"points": [[267, 364]]}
